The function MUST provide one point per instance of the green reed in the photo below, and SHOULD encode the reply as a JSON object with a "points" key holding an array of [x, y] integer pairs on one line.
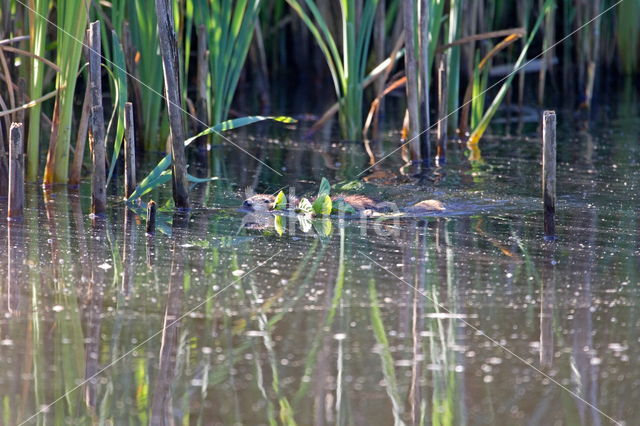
{"points": [[38, 32], [72, 22], [230, 26], [347, 67]]}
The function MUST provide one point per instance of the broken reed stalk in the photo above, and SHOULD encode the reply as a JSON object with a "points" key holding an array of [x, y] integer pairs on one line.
{"points": [[129, 151], [411, 71], [151, 217], [81, 139], [549, 173], [97, 142], [171, 67], [441, 150], [16, 172]]}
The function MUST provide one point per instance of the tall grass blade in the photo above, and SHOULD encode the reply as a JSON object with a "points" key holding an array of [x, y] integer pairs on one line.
{"points": [[160, 174], [493, 108], [72, 22]]}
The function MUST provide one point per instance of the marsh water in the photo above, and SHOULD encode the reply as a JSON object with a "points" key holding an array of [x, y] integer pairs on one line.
{"points": [[461, 317]]}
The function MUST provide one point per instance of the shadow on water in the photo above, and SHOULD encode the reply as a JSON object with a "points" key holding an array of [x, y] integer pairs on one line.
{"points": [[224, 319]]}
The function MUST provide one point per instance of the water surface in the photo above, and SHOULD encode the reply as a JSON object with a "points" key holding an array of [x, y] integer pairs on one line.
{"points": [[465, 317]]}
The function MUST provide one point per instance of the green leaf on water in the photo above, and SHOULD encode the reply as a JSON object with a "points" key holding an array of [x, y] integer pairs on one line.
{"points": [[304, 206], [281, 201], [322, 205], [341, 206]]}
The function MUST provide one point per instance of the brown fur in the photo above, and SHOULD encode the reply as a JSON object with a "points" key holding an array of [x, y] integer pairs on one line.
{"points": [[266, 202]]}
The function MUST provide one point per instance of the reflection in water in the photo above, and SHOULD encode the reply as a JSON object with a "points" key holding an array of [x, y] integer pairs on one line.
{"points": [[320, 334]]}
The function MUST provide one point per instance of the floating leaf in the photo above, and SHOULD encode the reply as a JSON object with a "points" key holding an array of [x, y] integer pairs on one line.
{"points": [[322, 205], [281, 201], [304, 206], [341, 206]]}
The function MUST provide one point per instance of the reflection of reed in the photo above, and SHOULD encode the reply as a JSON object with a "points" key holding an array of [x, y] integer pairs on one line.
{"points": [[585, 369], [128, 251], [161, 407], [93, 306]]}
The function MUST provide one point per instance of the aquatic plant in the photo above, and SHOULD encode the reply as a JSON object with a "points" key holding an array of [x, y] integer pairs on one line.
{"points": [[37, 32], [347, 67], [71, 22], [482, 125], [230, 27], [161, 173]]}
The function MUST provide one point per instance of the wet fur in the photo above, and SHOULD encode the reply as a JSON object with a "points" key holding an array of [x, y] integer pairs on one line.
{"points": [[361, 203]]}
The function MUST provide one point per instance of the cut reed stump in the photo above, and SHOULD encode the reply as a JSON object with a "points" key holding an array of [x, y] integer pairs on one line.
{"points": [[151, 217], [170, 65], [97, 140], [441, 149], [129, 151], [549, 173], [16, 172]]}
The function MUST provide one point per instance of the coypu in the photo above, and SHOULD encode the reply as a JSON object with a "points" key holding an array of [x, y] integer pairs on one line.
{"points": [[360, 203]]}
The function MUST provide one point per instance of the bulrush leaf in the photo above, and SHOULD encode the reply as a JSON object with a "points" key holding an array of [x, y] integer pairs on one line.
{"points": [[322, 205], [341, 206], [151, 180], [304, 206], [281, 201], [325, 188]]}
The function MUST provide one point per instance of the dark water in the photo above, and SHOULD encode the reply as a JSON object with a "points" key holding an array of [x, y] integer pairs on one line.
{"points": [[465, 317]]}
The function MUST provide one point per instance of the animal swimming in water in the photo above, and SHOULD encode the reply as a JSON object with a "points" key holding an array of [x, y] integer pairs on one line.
{"points": [[361, 203]]}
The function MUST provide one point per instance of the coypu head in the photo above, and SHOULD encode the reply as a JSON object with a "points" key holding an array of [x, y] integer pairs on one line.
{"points": [[259, 202]]}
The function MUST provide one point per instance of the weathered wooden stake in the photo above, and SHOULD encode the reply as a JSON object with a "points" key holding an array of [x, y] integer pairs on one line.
{"points": [[151, 217], [129, 151], [441, 150], [97, 142], [16, 172], [170, 65], [549, 173]]}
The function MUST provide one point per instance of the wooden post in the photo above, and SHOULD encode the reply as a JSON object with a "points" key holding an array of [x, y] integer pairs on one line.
{"points": [[441, 150], [549, 173], [151, 217], [97, 143], [16, 172], [411, 70], [170, 65], [129, 151]]}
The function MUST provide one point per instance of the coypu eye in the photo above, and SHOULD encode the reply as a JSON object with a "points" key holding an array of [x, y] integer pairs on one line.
{"points": [[265, 201]]}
